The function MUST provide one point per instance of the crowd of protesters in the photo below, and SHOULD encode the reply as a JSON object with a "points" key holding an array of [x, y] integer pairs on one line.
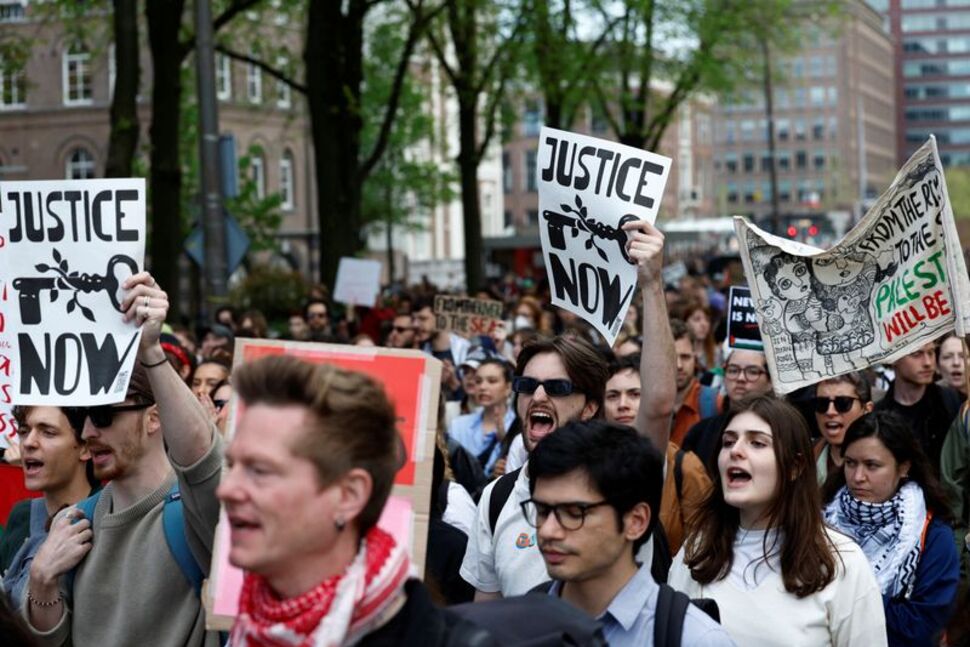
{"points": [[657, 485]]}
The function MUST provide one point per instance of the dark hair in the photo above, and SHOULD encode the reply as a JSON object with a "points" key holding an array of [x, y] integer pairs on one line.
{"points": [[310, 302], [218, 361], [20, 413], [626, 363], [501, 363], [679, 330], [421, 303], [351, 421], [806, 552], [624, 467], [857, 379], [586, 368], [895, 433]]}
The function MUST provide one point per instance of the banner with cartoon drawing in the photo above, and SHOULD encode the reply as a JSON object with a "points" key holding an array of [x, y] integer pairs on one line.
{"points": [[588, 189], [896, 281], [66, 248]]}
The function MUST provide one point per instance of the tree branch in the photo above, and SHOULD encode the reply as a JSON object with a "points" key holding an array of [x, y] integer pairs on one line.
{"points": [[220, 21], [272, 71]]}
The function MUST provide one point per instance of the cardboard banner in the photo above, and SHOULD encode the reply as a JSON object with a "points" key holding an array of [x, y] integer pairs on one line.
{"points": [[743, 331], [66, 248], [896, 281], [467, 316], [358, 282], [412, 380], [588, 189]]}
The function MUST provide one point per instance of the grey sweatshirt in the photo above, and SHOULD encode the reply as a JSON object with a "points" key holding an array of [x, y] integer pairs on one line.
{"points": [[129, 590]]}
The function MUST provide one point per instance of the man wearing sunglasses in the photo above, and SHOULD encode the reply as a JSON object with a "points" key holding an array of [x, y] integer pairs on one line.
{"points": [[745, 374], [557, 381], [595, 490], [113, 579], [402, 332], [839, 402]]}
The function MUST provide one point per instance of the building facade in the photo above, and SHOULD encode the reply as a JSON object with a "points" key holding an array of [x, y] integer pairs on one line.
{"points": [[932, 46], [834, 119], [55, 119]]}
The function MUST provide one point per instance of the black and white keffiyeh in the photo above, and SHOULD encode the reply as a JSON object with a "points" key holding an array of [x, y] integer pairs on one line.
{"points": [[889, 534]]}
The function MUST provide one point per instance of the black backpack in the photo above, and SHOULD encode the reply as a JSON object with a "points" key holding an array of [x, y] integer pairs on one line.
{"points": [[533, 620]]}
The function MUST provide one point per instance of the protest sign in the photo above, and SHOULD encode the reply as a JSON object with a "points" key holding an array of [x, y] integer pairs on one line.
{"points": [[588, 189], [412, 380], [358, 282], [896, 281], [67, 247], [743, 329], [466, 315]]}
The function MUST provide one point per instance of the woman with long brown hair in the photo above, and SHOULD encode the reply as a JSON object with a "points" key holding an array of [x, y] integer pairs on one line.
{"points": [[758, 546]]}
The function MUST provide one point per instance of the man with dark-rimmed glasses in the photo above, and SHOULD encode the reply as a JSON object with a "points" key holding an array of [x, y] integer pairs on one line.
{"points": [[92, 580], [556, 381], [595, 492]]}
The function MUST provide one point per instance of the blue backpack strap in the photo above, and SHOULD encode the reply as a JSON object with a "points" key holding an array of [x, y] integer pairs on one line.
{"points": [[708, 402], [173, 523], [86, 506]]}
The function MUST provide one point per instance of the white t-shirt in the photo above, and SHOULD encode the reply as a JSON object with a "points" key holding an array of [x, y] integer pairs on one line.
{"points": [[847, 612], [510, 562], [517, 455], [460, 511]]}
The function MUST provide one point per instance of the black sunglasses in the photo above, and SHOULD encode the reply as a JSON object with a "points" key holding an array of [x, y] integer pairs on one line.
{"points": [[554, 388], [101, 416], [842, 403]]}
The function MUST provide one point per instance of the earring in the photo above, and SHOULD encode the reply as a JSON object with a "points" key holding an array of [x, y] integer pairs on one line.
{"points": [[339, 524]]}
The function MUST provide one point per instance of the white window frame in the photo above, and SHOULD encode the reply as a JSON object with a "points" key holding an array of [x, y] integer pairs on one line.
{"points": [[284, 98], [80, 80], [254, 83], [223, 77], [287, 183], [16, 81], [257, 170], [85, 168]]}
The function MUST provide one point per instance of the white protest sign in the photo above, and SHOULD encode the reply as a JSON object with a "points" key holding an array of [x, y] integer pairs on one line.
{"points": [[588, 189], [66, 248], [358, 281], [895, 282]]}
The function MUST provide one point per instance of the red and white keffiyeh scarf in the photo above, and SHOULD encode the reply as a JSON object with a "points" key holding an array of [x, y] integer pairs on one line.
{"points": [[338, 611]]}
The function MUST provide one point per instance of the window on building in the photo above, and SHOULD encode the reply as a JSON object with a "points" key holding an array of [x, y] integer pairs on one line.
{"points": [[530, 171], [765, 161], [784, 160], [784, 190], [287, 188], [748, 162], [731, 162], [79, 165], [12, 11], [817, 96], [13, 86], [815, 68], [732, 192], [257, 173], [782, 129], [76, 76], [532, 119], [223, 77], [507, 219], [818, 161], [749, 190], [254, 83], [832, 95], [818, 129], [506, 172], [283, 91], [801, 160], [532, 218], [799, 129]]}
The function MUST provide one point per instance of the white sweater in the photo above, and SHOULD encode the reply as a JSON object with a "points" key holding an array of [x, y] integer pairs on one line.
{"points": [[847, 612]]}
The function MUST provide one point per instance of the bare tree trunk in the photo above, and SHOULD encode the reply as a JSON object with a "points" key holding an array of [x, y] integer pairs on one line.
{"points": [[123, 140], [333, 55], [470, 204], [164, 24]]}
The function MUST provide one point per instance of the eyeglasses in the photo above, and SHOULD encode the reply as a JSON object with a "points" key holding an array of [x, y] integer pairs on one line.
{"points": [[842, 403], [750, 372], [571, 515], [553, 388], [101, 416], [400, 329]]}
